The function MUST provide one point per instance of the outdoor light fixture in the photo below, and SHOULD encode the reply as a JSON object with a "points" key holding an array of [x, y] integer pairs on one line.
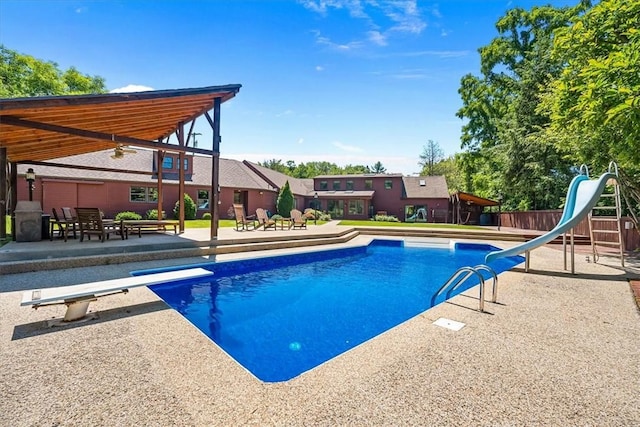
{"points": [[30, 176], [315, 206]]}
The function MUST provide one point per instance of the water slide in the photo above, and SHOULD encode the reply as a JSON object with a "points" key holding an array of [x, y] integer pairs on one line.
{"points": [[582, 196]]}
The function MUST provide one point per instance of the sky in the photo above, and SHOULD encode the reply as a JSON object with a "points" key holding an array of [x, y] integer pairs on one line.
{"points": [[343, 81]]}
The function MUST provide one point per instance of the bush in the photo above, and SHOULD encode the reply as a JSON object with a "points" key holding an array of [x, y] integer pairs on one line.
{"points": [[153, 214], [386, 218], [190, 208], [127, 215], [206, 215], [324, 216]]}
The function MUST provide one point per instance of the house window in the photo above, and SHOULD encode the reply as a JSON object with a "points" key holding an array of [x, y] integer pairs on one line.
{"points": [[349, 185], [143, 194], [203, 199], [186, 164], [324, 185], [388, 184], [335, 208], [237, 198], [167, 162], [368, 184], [336, 185], [356, 207]]}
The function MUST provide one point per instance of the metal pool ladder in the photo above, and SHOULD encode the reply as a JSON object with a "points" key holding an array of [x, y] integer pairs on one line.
{"points": [[461, 275]]}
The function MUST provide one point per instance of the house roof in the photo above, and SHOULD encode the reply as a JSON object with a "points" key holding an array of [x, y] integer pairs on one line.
{"points": [[299, 186], [44, 128], [435, 187], [137, 167], [331, 194]]}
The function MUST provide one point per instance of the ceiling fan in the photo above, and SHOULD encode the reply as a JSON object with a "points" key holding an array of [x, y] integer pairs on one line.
{"points": [[120, 151]]}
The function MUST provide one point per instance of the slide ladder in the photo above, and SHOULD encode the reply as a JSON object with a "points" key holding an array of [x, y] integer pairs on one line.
{"points": [[606, 220]]}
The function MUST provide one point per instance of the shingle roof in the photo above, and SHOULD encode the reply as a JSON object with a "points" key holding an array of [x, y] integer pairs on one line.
{"points": [[233, 173], [299, 186], [435, 187]]}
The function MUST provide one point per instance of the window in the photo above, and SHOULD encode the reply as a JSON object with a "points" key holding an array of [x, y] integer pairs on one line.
{"points": [[143, 194], [335, 208], [186, 164], [349, 185], [368, 184], [336, 185], [324, 185], [356, 207], [203, 199], [167, 162], [237, 198], [388, 184]]}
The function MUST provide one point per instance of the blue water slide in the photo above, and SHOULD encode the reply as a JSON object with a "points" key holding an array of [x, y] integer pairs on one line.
{"points": [[582, 196]]}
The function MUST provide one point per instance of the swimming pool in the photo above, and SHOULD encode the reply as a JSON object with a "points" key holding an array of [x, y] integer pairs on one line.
{"points": [[282, 316]]}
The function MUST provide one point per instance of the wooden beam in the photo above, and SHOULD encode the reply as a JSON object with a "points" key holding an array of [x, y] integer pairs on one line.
{"points": [[90, 168], [116, 139]]}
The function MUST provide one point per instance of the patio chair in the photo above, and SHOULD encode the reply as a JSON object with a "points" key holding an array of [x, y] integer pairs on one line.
{"points": [[63, 226], [263, 219], [243, 222], [91, 222], [299, 220]]}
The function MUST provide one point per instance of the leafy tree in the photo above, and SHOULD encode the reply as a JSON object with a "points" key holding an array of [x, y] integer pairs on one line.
{"points": [[284, 204], [378, 168], [23, 76], [449, 168], [275, 164], [431, 155], [595, 102], [507, 150]]}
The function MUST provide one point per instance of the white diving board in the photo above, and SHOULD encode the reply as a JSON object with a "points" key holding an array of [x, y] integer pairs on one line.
{"points": [[78, 297]]}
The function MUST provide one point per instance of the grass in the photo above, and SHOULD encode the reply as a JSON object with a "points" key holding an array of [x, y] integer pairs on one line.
{"points": [[367, 223]]}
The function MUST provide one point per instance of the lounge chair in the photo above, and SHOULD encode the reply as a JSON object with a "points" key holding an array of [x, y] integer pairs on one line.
{"points": [[91, 222], [298, 220], [263, 219], [243, 222], [63, 226]]}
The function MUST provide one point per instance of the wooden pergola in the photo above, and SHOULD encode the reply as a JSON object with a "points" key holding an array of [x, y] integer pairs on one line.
{"points": [[39, 129]]}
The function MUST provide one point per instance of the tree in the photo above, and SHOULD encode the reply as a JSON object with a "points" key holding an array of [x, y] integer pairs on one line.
{"points": [[284, 204], [449, 169], [378, 168], [23, 76], [275, 165], [506, 146], [431, 154], [595, 102]]}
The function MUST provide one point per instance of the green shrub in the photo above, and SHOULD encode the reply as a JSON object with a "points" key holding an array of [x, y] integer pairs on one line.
{"points": [[127, 215], [190, 208], [386, 218], [206, 215], [324, 216], [284, 203], [153, 214]]}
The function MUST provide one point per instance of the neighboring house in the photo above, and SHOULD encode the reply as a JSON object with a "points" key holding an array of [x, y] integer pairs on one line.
{"points": [[128, 183]]}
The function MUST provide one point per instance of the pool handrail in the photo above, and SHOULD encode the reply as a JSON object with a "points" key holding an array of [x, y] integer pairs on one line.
{"points": [[470, 271]]}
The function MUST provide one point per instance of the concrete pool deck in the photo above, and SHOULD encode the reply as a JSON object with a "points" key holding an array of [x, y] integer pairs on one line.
{"points": [[557, 349]]}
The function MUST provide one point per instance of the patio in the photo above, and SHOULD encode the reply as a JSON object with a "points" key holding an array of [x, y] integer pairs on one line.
{"points": [[558, 349]]}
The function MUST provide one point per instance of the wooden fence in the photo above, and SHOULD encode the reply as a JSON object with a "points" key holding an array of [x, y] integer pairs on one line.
{"points": [[546, 220]]}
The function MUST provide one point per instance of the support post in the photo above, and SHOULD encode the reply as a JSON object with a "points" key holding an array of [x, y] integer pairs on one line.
{"points": [[215, 170], [181, 158], [573, 263], [3, 192], [526, 261]]}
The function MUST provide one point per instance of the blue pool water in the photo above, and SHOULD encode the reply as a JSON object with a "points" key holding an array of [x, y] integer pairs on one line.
{"points": [[281, 316]]}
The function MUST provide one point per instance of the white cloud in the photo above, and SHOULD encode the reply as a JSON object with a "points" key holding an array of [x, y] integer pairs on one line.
{"points": [[131, 88], [285, 113], [376, 38], [319, 68], [345, 147], [301, 141]]}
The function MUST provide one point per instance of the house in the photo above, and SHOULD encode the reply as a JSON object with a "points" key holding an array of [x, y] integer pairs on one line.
{"points": [[117, 183]]}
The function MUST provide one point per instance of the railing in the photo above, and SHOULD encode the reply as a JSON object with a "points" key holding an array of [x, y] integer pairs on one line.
{"points": [[457, 279]]}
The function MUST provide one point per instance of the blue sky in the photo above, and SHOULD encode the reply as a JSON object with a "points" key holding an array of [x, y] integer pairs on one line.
{"points": [[349, 82]]}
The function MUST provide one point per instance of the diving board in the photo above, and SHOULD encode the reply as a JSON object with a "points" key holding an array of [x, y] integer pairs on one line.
{"points": [[78, 297]]}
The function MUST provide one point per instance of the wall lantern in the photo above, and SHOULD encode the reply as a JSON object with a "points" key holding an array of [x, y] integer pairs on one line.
{"points": [[30, 176]]}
